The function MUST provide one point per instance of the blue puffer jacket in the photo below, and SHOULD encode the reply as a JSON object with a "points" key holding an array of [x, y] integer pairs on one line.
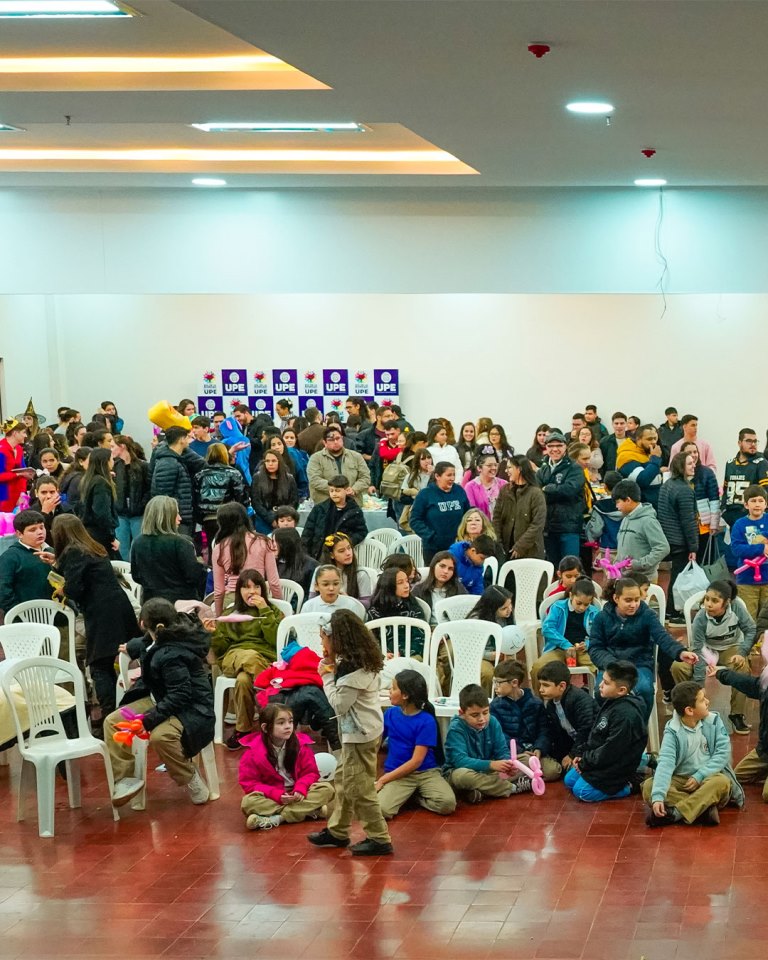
{"points": [[523, 721], [300, 459], [553, 628], [469, 573], [629, 638]]}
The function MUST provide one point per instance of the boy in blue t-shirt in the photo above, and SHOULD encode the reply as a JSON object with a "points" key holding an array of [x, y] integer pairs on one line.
{"points": [[749, 541]]}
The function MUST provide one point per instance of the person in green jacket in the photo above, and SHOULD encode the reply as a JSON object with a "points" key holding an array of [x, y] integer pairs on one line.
{"points": [[25, 565], [244, 648]]}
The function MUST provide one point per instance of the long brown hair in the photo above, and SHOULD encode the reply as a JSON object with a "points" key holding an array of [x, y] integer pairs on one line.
{"points": [[267, 718], [350, 571], [235, 526], [352, 645], [70, 534], [254, 577], [98, 469]]}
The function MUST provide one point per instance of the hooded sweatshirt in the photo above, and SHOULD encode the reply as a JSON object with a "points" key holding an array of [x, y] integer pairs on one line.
{"points": [[470, 574], [642, 539], [436, 515], [645, 470], [735, 626], [615, 745], [355, 698], [231, 434]]}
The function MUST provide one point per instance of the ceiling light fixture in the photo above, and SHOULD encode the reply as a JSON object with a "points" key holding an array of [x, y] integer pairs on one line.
{"points": [[58, 9], [186, 155], [651, 182], [279, 127], [209, 182], [593, 107], [7, 128], [235, 64]]}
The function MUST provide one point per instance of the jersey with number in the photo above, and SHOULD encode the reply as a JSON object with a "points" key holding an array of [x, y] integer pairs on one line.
{"points": [[740, 474]]}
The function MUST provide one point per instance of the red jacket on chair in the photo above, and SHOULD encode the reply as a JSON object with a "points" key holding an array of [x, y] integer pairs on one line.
{"points": [[257, 774], [300, 671]]}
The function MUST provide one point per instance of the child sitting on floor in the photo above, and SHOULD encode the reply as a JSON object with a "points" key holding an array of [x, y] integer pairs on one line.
{"points": [[754, 767], [522, 717], [693, 776], [616, 741], [566, 629], [570, 712], [279, 774], [414, 750]]}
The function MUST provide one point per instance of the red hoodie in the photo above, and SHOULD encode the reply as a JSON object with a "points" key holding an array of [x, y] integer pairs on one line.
{"points": [[257, 773], [300, 671]]}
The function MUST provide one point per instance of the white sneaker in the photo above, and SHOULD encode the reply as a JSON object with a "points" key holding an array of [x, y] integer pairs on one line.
{"points": [[198, 789], [255, 822], [125, 789]]}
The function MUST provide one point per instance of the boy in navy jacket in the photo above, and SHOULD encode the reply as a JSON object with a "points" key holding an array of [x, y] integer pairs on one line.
{"points": [[570, 712]]}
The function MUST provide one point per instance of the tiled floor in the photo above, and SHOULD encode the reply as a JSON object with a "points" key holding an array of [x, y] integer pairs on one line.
{"points": [[523, 878]]}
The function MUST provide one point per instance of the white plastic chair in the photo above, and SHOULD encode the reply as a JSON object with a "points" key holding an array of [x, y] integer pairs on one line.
{"points": [[425, 608], [528, 575], [397, 640], [654, 740], [290, 590], [358, 608], [468, 640], [492, 564], [304, 628], [123, 568], [423, 572], [385, 536], [455, 608], [371, 553], [326, 765], [47, 743], [688, 607], [656, 593], [283, 606], [412, 545], [21, 641], [390, 671], [45, 611]]}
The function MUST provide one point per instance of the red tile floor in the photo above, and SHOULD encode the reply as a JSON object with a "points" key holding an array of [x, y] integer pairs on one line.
{"points": [[522, 878]]}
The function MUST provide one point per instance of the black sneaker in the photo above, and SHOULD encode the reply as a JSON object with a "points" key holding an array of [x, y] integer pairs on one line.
{"points": [[666, 698], [677, 620], [324, 838], [739, 724], [370, 848], [233, 742], [710, 817], [521, 785], [653, 821]]}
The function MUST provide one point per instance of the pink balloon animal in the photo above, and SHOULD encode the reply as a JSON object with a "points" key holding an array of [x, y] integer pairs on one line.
{"points": [[764, 674], [613, 570], [533, 770], [755, 563]]}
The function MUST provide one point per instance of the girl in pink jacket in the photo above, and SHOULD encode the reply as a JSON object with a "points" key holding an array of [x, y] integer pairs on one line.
{"points": [[279, 774]]}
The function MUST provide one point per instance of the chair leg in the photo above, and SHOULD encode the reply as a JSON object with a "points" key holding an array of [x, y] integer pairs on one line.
{"points": [[208, 756], [218, 710], [27, 779], [141, 753], [531, 644], [5, 758], [73, 783], [110, 781], [46, 796]]}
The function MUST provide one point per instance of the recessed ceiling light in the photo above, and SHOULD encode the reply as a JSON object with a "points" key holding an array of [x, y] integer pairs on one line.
{"points": [[650, 182], [279, 127], [64, 8], [209, 182], [597, 107], [7, 128]]}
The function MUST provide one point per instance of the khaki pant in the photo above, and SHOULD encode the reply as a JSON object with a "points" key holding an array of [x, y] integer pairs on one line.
{"points": [[684, 671], [582, 660], [356, 796], [432, 790], [490, 784], [443, 670], [753, 769], [550, 768], [754, 596], [165, 739], [714, 790], [243, 665], [320, 793]]}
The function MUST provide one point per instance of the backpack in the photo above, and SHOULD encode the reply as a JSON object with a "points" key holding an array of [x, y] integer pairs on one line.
{"points": [[392, 477]]}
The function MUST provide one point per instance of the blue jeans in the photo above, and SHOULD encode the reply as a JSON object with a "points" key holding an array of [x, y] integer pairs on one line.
{"points": [[128, 529], [644, 688], [559, 545], [586, 792]]}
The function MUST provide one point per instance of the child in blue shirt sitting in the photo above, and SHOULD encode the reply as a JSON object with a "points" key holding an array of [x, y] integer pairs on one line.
{"points": [[411, 767], [566, 629]]}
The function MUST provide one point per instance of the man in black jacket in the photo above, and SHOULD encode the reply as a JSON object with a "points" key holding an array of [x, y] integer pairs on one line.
{"points": [[616, 742], [173, 466], [669, 433], [563, 482], [570, 712], [610, 444], [338, 514]]}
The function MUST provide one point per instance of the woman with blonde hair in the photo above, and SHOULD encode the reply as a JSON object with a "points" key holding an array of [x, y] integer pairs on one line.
{"points": [[163, 561]]}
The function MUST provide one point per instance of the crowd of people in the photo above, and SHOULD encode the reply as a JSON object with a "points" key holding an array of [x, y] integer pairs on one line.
{"points": [[224, 507]]}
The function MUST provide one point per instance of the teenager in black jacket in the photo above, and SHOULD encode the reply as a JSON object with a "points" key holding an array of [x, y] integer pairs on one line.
{"points": [[339, 514], [569, 727]]}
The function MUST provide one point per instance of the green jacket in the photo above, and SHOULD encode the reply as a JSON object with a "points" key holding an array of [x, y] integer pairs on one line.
{"points": [[259, 634], [22, 577]]}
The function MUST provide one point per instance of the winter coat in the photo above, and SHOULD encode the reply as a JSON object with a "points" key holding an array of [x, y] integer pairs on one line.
{"points": [[707, 494], [23, 577], [469, 574], [472, 749], [257, 773], [323, 467], [258, 634], [536, 455], [750, 686], [165, 565], [304, 579], [519, 519], [264, 505], [718, 748], [215, 485], [446, 454], [309, 438], [98, 512], [629, 638], [70, 486], [171, 478], [615, 744], [402, 607], [563, 486], [740, 473], [174, 673], [300, 460], [90, 582], [523, 720], [355, 698], [609, 447], [436, 515], [645, 470], [132, 483], [642, 539], [668, 437], [677, 515], [579, 709], [554, 626], [325, 518], [478, 495]]}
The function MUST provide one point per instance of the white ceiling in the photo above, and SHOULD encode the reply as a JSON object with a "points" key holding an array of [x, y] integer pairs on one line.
{"points": [[688, 78]]}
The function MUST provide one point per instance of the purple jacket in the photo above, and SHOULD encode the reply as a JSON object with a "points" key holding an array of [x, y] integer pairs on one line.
{"points": [[478, 496]]}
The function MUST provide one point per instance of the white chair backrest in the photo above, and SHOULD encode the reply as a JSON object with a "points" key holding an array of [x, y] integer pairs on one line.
{"points": [[283, 606], [326, 765], [37, 677], [45, 611], [656, 593], [528, 575], [423, 572], [385, 536], [21, 641], [302, 627], [468, 639], [394, 634], [455, 608], [689, 612], [547, 602], [412, 545], [370, 553], [291, 589], [358, 608], [123, 663], [425, 608], [598, 590], [396, 665], [121, 566], [492, 564]]}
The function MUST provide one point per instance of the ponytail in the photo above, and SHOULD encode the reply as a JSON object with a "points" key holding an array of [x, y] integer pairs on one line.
{"points": [[615, 588]]}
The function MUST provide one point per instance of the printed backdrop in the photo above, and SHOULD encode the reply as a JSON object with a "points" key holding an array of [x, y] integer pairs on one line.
{"points": [[325, 389]]}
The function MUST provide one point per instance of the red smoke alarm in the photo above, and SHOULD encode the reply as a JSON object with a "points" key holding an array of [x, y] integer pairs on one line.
{"points": [[539, 49], [648, 152]]}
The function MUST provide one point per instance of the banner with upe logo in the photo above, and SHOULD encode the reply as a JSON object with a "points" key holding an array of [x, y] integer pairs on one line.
{"points": [[386, 383], [234, 383], [284, 382], [335, 383]]}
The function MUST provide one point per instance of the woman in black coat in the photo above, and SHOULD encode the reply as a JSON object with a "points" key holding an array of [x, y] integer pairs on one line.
{"points": [[272, 487], [97, 507], [163, 561], [132, 482], [678, 519], [90, 583]]}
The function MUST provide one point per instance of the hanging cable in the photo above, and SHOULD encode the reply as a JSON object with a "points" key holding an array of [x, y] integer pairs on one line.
{"points": [[660, 254]]}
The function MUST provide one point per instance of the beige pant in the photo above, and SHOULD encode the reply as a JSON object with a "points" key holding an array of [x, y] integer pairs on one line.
{"points": [[432, 790], [356, 796], [165, 739], [243, 665], [753, 769], [582, 660], [713, 790], [550, 768], [754, 596], [319, 794], [684, 671], [443, 670], [490, 784]]}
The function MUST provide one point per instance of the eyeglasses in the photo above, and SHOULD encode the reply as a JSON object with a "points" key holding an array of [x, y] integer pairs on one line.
{"points": [[497, 682]]}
